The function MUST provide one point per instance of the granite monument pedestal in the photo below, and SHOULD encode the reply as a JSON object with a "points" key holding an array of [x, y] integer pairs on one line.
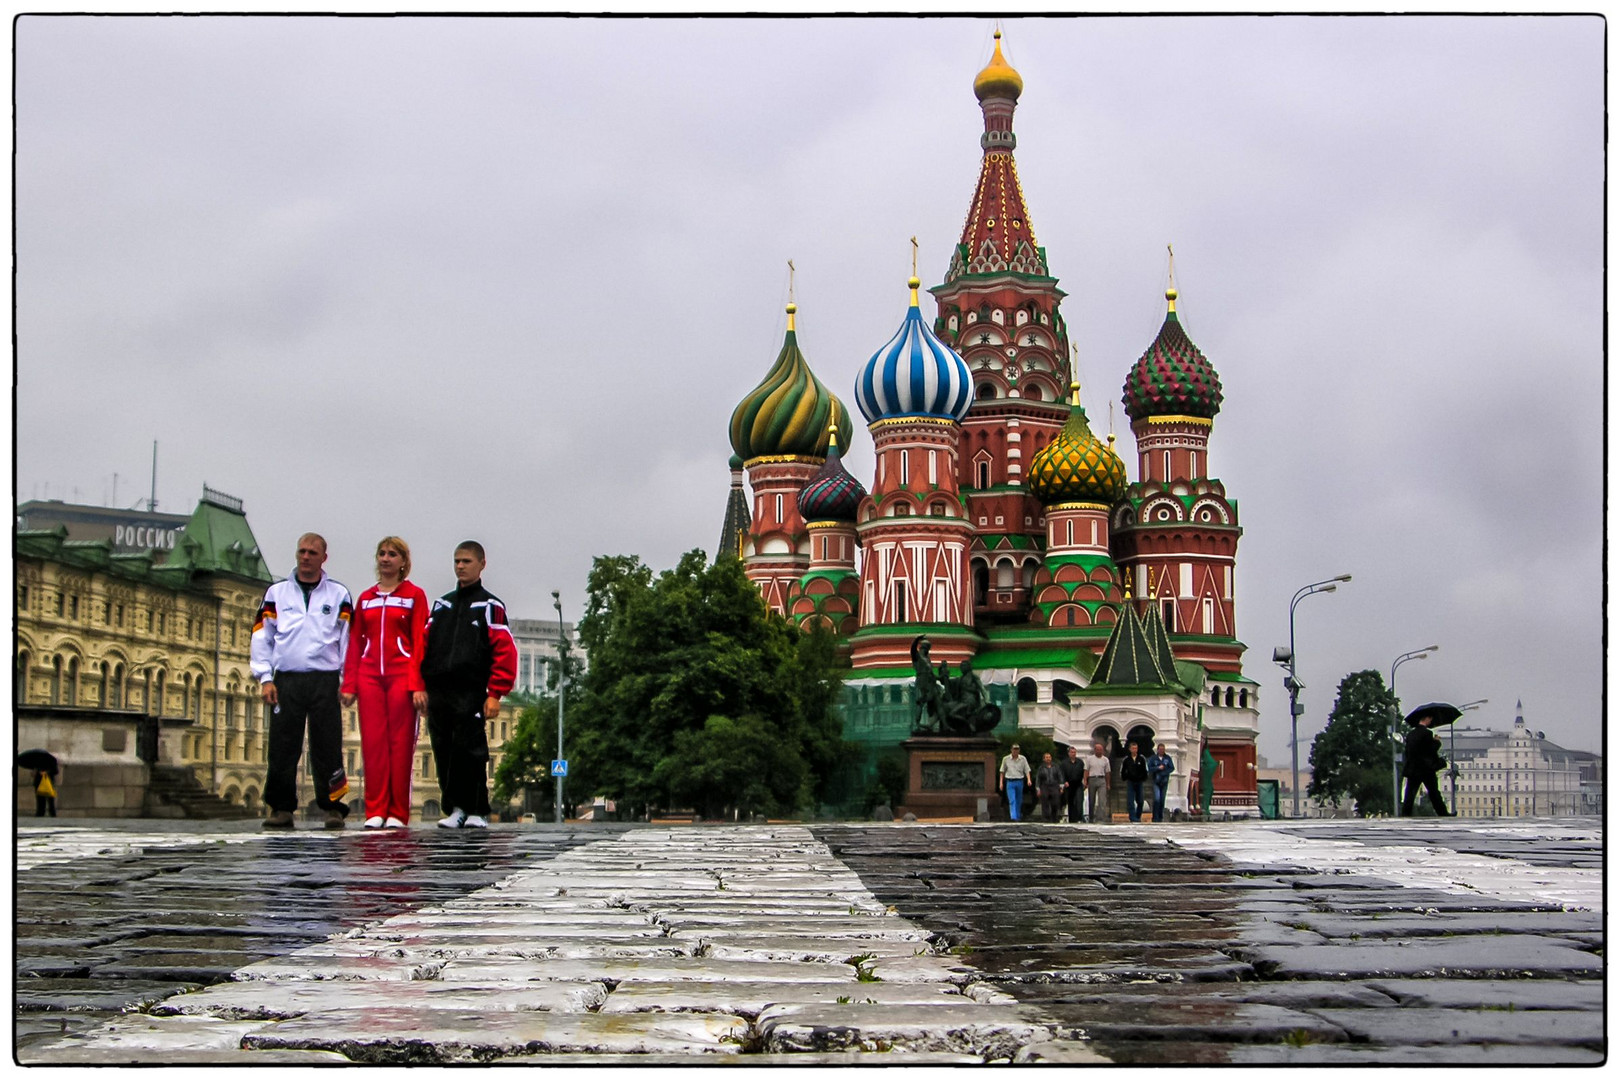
{"points": [[948, 775]]}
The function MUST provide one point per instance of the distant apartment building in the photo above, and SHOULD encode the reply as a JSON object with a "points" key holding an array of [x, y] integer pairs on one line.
{"points": [[1520, 773], [537, 641]]}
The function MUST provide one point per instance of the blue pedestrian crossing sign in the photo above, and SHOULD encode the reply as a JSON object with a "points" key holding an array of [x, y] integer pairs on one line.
{"points": [[559, 767]]}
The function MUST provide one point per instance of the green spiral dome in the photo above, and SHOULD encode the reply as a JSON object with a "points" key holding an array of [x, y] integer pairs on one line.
{"points": [[1076, 466], [789, 412]]}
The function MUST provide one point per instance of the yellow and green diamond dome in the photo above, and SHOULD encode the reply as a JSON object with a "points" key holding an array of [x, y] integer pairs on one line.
{"points": [[1076, 466]]}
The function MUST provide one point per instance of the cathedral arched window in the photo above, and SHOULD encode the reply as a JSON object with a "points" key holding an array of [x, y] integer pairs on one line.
{"points": [[1033, 392]]}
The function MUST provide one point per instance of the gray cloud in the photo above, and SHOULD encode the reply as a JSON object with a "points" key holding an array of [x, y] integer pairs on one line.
{"points": [[507, 278]]}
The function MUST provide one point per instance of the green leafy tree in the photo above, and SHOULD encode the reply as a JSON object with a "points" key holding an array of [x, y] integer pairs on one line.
{"points": [[698, 696], [1351, 756], [526, 761]]}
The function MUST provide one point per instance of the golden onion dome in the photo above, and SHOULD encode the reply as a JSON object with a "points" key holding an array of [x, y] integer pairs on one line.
{"points": [[1076, 466], [998, 79], [789, 412]]}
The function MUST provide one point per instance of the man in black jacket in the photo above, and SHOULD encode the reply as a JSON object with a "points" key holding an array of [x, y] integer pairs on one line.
{"points": [[1074, 784], [468, 665], [1133, 770], [1423, 761]]}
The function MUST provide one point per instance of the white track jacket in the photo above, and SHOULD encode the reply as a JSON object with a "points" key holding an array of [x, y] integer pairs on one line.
{"points": [[289, 635]]}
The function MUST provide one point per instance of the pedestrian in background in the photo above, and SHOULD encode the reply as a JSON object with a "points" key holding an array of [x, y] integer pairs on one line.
{"points": [[1074, 784], [1423, 763], [1207, 766], [44, 794], [1134, 771], [468, 665], [383, 672], [1097, 780], [1159, 769], [1049, 788], [1014, 774], [298, 648]]}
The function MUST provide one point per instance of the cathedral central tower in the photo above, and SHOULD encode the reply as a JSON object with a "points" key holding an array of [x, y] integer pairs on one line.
{"points": [[998, 307]]}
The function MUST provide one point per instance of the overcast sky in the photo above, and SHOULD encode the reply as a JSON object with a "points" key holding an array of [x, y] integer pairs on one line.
{"points": [[507, 278]]}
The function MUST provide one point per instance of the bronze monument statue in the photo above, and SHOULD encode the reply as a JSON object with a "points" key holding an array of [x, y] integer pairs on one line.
{"points": [[946, 705]]}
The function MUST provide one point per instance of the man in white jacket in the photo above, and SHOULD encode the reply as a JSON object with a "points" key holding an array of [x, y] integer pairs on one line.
{"points": [[298, 643]]}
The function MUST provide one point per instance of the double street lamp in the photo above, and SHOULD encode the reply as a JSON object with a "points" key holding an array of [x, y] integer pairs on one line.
{"points": [[1395, 718], [1292, 681]]}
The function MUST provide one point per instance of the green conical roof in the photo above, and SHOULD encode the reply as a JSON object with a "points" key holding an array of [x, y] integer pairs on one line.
{"points": [[218, 540], [1137, 653]]}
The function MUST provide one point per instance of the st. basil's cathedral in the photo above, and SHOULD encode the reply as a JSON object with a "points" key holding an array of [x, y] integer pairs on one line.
{"points": [[1094, 608]]}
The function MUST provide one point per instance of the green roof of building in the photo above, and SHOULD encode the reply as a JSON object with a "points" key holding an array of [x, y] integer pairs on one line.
{"points": [[218, 540], [1080, 660]]}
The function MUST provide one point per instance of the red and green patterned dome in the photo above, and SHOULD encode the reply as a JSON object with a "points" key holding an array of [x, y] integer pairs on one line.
{"points": [[1172, 378], [1076, 466], [832, 494]]}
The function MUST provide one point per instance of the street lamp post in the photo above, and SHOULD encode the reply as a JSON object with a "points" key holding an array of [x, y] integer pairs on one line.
{"points": [[1292, 682], [1464, 708], [562, 682], [1395, 718]]}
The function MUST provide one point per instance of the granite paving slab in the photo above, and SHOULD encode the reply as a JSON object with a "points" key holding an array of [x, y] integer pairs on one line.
{"points": [[748, 999], [1471, 957], [1420, 1026], [1493, 993], [994, 1031], [163, 1034], [323, 965], [93, 995], [1288, 995], [281, 1000], [110, 1055], [416, 1036], [1195, 1020], [817, 949], [682, 969]]}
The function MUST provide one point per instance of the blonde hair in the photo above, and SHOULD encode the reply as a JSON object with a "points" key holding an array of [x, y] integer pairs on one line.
{"points": [[404, 550]]}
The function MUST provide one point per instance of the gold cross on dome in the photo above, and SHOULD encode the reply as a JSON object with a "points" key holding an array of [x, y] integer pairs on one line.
{"points": [[913, 256], [790, 281]]}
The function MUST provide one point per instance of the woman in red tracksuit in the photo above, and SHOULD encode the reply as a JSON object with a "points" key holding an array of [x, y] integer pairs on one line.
{"points": [[382, 669]]}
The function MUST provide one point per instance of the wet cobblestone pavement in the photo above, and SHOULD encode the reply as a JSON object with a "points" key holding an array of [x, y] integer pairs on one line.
{"points": [[1342, 942]]}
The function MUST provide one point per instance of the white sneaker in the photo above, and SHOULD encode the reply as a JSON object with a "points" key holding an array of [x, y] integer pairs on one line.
{"points": [[453, 821], [374, 823], [476, 822], [393, 823]]}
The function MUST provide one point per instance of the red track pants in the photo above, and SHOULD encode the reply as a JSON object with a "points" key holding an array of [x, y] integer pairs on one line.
{"points": [[387, 744]]}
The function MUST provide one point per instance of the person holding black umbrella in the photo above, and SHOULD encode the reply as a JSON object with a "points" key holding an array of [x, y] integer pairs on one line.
{"points": [[43, 762], [1423, 760]]}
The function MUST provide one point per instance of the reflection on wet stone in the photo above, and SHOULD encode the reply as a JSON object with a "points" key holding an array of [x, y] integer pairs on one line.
{"points": [[828, 945]]}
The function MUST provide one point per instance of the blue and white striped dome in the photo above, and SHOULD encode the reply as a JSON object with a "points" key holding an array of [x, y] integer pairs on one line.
{"points": [[915, 374]]}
